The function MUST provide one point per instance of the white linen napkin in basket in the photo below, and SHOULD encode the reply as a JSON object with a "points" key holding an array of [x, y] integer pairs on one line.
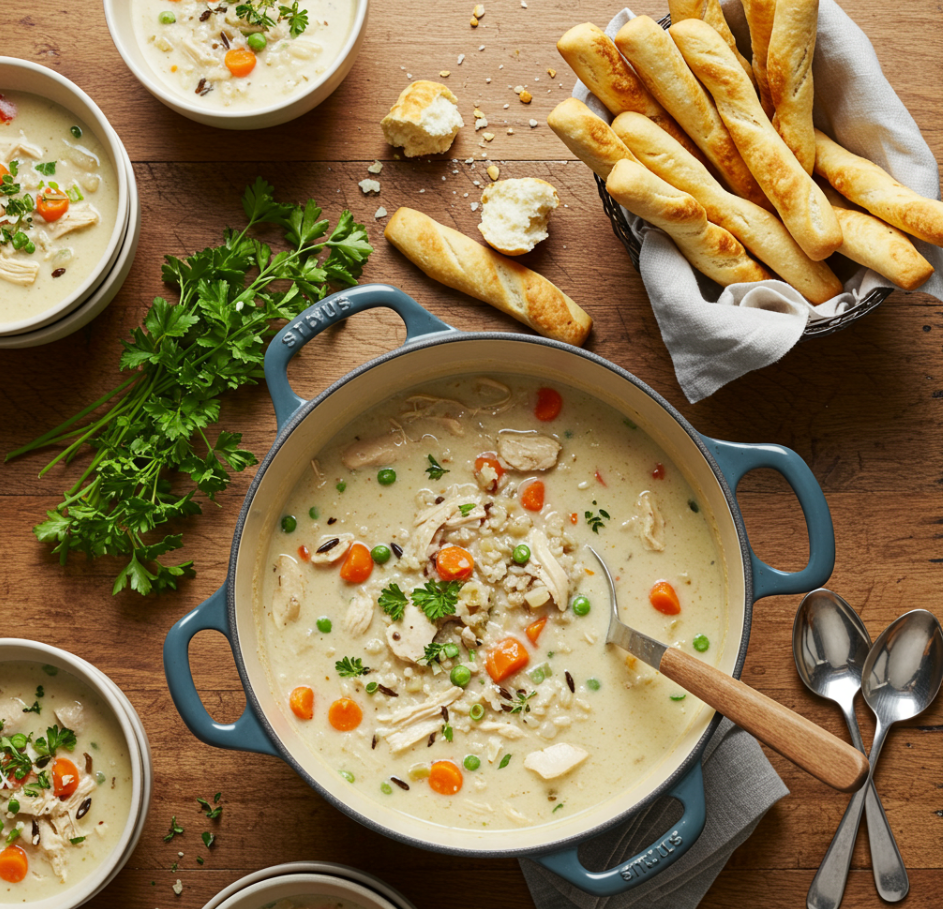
{"points": [[740, 785], [715, 337]]}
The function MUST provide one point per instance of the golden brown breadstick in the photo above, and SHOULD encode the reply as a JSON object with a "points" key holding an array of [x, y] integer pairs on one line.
{"points": [[760, 15], [710, 11], [789, 72], [800, 202], [762, 233], [599, 66], [659, 64], [459, 262], [709, 248], [875, 189], [590, 138]]}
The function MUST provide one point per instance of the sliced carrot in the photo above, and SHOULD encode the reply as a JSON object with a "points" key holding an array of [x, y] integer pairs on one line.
{"points": [[549, 404], [574, 518], [344, 715], [454, 563], [304, 553], [357, 565], [240, 61], [659, 472], [65, 777], [301, 700], [532, 495], [3, 171], [52, 204], [533, 630], [599, 478], [445, 778], [663, 597], [13, 864], [506, 658], [489, 459]]}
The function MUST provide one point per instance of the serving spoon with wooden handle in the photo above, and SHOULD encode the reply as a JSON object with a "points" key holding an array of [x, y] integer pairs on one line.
{"points": [[826, 757]]}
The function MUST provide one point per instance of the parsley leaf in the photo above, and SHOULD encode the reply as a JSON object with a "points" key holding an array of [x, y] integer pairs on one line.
{"points": [[393, 601], [436, 471], [211, 812], [151, 450], [47, 169], [34, 709], [447, 732], [297, 19], [466, 510], [351, 667], [56, 738], [437, 599], [208, 838], [596, 521], [520, 702], [175, 828], [504, 761]]}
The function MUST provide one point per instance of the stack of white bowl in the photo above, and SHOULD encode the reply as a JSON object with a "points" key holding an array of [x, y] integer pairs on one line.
{"points": [[105, 281]]}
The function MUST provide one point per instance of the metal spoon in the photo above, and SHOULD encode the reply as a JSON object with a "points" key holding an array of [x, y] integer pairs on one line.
{"points": [[813, 749], [830, 644], [901, 677]]}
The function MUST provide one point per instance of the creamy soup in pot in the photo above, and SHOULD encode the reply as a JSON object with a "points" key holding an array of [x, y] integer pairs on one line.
{"points": [[65, 781], [241, 55], [434, 626], [58, 204]]}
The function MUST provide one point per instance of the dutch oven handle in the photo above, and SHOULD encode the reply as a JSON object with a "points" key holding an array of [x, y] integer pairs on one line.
{"points": [[736, 460], [330, 310], [647, 863], [247, 733]]}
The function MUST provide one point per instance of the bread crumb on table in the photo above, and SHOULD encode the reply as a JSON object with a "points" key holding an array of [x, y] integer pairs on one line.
{"points": [[369, 186], [375, 168], [380, 213]]}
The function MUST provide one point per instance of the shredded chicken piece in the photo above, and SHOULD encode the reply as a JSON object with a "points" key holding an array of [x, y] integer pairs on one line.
{"points": [[506, 730], [528, 450], [409, 637], [19, 149], [480, 808], [359, 614], [556, 760], [430, 707], [475, 516], [399, 741], [651, 524], [512, 814], [318, 476], [427, 525], [549, 569], [378, 451], [289, 592], [78, 217], [329, 556], [197, 53], [15, 272]]}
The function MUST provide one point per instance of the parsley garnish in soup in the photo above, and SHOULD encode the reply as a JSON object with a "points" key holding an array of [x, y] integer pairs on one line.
{"points": [[489, 582]]}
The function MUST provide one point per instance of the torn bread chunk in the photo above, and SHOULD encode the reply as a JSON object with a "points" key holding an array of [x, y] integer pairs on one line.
{"points": [[515, 214], [425, 119]]}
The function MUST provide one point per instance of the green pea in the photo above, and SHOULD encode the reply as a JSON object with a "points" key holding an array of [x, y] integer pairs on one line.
{"points": [[166, 18], [381, 554], [581, 605], [472, 762], [313, 513], [451, 651], [460, 675], [701, 642], [537, 675], [289, 523], [347, 775], [30, 247], [257, 42], [521, 554], [386, 477], [386, 788], [693, 506], [76, 131], [372, 687], [593, 684], [477, 712], [324, 624], [341, 486]]}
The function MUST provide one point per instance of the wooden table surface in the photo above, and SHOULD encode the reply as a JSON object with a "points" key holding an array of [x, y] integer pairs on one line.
{"points": [[862, 407]]}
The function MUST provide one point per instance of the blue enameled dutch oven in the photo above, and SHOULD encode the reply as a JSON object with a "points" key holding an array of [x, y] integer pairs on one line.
{"points": [[433, 351]]}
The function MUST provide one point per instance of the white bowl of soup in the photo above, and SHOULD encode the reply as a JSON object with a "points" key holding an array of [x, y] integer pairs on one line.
{"points": [[75, 777], [64, 196], [419, 630], [238, 72], [306, 891]]}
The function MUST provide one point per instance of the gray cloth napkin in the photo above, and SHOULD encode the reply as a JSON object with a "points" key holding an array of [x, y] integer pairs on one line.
{"points": [[740, 785], [716, 336]]}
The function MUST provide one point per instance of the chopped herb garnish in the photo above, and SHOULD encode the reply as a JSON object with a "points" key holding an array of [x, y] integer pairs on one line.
{"points": [[436, 471], [351, 667], [51, 670], [447, 732], [217, 797], [595, 521], [199, 859], [504, 761], [13, 834], [520, 702], [341, 486], [175, 828], [211, 812], [393, 601], [255, 12], [34, 709], [208, 838], [629, 423], [677, 697], [40, 692], [437, 599], [74, 193], [558, 807], [466, 510], [76, 840], [56, 738], [47, 169]]}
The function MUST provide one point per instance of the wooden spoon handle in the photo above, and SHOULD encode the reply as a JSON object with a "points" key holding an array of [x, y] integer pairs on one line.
{"points": [[826, 757]]}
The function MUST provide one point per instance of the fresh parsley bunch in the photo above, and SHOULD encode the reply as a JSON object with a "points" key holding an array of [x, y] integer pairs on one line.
{"points": [[181, 361], [254, 12]]}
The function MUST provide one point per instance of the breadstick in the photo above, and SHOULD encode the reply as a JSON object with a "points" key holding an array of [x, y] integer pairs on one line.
{"points": [[710, 11], [590, 53], [591, 139], [649, 48], [875, 189], [709, 248], [800, 202], [789, 71], [759, 231], [455, 260], [873, 243], [760, 15]]}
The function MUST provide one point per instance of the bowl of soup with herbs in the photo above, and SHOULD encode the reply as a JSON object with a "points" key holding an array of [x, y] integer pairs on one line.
{"points": [[63, 200]]}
